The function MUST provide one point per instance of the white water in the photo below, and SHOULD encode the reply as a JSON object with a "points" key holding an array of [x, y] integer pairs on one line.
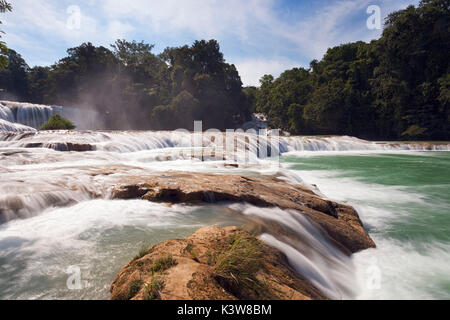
{"points": [[7, 126], [34, 179], [310, 253], [133, 141], [35, 115], [97, 236], [100, 236], [408, 263]]}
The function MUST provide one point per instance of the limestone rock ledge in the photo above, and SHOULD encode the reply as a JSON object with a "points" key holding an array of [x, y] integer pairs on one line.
{"points": [[341, 222]]}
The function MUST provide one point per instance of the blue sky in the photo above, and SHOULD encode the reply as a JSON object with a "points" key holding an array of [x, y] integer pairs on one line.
{"points": [[258, 36]]}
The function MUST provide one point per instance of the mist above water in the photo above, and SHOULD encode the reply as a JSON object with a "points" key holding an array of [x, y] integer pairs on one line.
{"points": [[19, 114]]}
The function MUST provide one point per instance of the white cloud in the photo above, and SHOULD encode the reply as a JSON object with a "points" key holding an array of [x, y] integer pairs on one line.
{"points": [[205, 19], [255, 25], [39, 24], [253, 69], [332, 25]]}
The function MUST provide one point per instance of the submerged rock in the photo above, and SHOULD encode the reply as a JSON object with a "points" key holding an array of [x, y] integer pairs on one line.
{"points": [[212, 264], [340, 222]]}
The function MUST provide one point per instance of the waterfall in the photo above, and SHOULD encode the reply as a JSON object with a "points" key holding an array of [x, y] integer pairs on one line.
{"points": [[6, 113], [35, 115], [8, 126], [169, 143], [307, 247]]}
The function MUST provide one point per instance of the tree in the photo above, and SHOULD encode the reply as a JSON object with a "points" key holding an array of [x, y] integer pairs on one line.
{"points": [[13, 78], [56, 122], [4, 7], [396, 87], [201, 71], [136, 89]]}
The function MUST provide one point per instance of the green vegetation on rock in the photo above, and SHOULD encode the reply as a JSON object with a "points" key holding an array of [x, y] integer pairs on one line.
{"points": [[56, 122], [163, 264], [152, 289], [134, 288], [237, 265]]}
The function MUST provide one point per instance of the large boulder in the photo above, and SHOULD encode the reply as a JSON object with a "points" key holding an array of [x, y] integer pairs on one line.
{"points": [[212, 264]]}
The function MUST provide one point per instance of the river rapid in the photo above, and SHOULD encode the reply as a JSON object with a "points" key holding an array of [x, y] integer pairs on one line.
{"points": [[57, 219]]}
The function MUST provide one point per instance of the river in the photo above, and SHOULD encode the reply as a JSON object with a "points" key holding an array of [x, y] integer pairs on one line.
{"points": [[57, 217]]}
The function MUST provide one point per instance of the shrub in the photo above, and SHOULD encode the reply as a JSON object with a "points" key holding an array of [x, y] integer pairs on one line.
{"points": [[163, 264], [134, 288], [152, 289], [56, 122], [142, 252], [237, 265]]}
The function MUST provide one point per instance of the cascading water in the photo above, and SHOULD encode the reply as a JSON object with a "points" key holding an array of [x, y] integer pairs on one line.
{"points": [[55, 207], [134, 141], [35, 115]]}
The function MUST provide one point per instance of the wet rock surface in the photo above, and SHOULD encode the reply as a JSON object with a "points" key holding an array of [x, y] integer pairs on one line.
{"points": [[212, 264], [341, 222]]}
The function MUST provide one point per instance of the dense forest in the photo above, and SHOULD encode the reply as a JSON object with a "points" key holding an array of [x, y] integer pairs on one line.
{"points": [[397, 87], [135, 88]]}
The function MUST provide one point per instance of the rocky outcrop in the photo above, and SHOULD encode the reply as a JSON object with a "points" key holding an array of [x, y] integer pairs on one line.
{"points": [[63, 146], [212, 264], [341, 222]]}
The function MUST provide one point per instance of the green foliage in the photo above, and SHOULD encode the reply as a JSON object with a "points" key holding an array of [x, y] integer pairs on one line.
{"points": [[191, 250], [13, 78], [212, 88], [134, 288], [237, 265], [386, 89], [414, 131], [3, 55], [142, 252], [56, 122], [136, 89], [152, 289], [395, 87], [4, 7]]}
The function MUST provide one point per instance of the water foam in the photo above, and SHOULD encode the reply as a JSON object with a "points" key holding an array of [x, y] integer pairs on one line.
{"points": [[35, 115], [396, 269], [98, 236]]}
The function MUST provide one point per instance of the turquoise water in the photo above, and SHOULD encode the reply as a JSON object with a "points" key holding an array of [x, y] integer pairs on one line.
{"points": [[403, 200]]}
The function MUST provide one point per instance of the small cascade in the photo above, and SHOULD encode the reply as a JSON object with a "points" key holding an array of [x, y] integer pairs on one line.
{"points": [[219, 146], [14, 206], [307, 247], [6, 113], [7, 126], [33, 115]]}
